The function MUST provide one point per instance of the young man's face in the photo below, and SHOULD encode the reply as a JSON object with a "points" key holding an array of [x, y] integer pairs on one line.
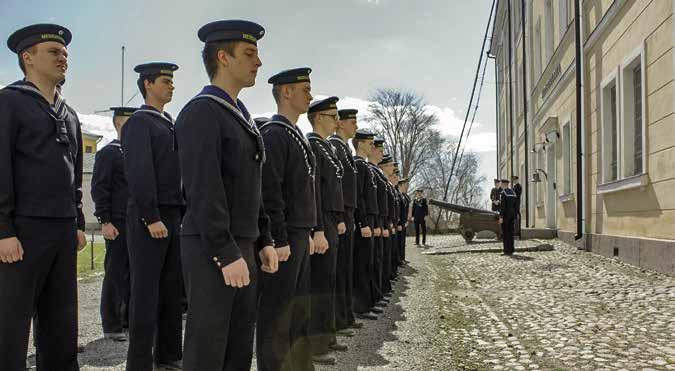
{"points": [[403, 187], [387, 169], [348, 127], [300, 96], [418, 194], [245, 63], [48, 59], [161, 89], [376, 154], [366, 146], [328, 120]]}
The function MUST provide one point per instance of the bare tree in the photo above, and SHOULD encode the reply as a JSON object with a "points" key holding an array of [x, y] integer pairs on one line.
{"points": [[407, 126]]}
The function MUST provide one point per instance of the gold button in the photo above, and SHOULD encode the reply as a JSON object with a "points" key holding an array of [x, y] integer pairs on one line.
{"points": [[215, 259]]}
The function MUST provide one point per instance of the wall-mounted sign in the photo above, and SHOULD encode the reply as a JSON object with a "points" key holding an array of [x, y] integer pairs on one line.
{"points": [[551, 81]]}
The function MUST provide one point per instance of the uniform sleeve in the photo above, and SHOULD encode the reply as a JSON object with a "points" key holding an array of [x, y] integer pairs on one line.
{"points": [[101, 186], [502, 204], [78, 178], [265, 238], [317, 184], [361, 214], [140, 168], [425, 206], [200, 151], [273, 172], [7, 142]]}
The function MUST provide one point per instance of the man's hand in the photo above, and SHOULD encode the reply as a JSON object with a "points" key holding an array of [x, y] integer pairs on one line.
{"points": [[377, 232], [283, 253], [81, 240], [158, 230], [342, 228], [269, 259], [311, 246], [109, 231], [399, 228], [320, 243], [500, 220], [236, 274], [10, 250], [385, 233], [366, 232]]}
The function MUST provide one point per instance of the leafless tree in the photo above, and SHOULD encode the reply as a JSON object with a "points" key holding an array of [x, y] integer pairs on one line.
{"points": [[407, 126]]}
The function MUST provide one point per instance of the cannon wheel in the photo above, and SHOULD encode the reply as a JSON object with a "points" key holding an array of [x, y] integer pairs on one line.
{"points": [[468, 235]]}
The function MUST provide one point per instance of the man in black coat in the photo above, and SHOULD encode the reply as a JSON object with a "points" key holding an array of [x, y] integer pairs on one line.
{"points": [[41, 219], [366, 216], [518, 189], [153, 225], [419, 213], [405, 211], [508, 202], [110, 195], [494, 195], [344, 314], [221, 156], [323, 115], [381, 232], [282, 330]]}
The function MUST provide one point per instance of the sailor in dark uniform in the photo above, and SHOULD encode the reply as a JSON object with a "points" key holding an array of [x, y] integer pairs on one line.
{"points": [[395, 248], [221, 155], [376, 155], [518, 189], [153, 225], [344, 314], [365, 220], [110, 195], [323, 116], [508, 201], [41, 219], [386, 166], [494, 196], [405, 216], [282, 329], [420, 210]]}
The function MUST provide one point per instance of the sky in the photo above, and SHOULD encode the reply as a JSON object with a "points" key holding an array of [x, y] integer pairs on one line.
{"points": [[354, 47]]}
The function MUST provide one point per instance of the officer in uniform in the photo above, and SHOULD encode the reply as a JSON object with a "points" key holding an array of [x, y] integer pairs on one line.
{"points": [[508, 201], [323, 115], [518, 189], [282, 329], [153, 224], [376, 155], [110, 195], [494, 195], [344, 314], [41, 219], [365, 220], [386, 166], [419, 212], [221, 154]]}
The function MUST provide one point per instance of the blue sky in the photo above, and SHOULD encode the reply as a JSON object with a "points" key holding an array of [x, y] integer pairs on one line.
{"points": [[353, 47]]}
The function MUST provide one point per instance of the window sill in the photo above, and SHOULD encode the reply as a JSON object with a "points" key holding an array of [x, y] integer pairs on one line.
{"points": [[636, 181], [566, 197]]}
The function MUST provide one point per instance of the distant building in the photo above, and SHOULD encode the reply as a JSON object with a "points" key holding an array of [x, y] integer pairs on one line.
{"points": [[628, 193], [90, 146]]}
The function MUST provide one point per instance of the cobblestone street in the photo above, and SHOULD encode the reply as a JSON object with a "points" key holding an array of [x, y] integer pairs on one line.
{"points": [[552, 310]]}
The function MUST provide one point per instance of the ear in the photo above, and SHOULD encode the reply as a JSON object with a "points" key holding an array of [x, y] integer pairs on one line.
{"points": [[223, 57], [146, 83]]}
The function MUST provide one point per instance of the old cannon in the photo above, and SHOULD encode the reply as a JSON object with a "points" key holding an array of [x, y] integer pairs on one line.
{"points": [[472, 220]]}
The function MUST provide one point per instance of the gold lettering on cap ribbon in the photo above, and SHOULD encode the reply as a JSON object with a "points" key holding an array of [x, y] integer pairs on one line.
{"points": [[249, 37], [52, 37]]}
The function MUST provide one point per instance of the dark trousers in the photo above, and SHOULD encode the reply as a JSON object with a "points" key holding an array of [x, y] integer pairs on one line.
{"points": [[401, 243], [420, 224], [43, 285], [394, 254], [282, 330], [386, 264], [377, 269], [156, 292], [344, 314], [115, 289], [363, 272], [221, 318], [507, 235], [322, 319]]}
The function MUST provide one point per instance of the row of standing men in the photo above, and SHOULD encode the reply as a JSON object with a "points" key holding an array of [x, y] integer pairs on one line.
{"points": [[264, 227]]}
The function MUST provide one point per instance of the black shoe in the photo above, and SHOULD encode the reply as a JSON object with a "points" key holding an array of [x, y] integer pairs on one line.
{"points": [[169, 366], [369, 316], [324, 359], [356, 325], [381, 304], [338, 347], [376, 310], [115, 336], [345, 332], [80, 348]]}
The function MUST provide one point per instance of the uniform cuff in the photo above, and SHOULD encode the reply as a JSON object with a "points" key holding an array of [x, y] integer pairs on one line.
{"points": [[7, 230], [150, 217]]}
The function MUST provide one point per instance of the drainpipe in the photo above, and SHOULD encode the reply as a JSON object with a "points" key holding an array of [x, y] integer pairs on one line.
{"points": [[497, 111], [527, 143], [508, 14], [580, 137]]}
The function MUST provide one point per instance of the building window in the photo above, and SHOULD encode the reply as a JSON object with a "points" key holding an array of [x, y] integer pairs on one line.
{"points": [[88, 149], [563, 19], [542, 179], [548, 24], [633, 125], [537, 50], [610, 129], [567, 158]]}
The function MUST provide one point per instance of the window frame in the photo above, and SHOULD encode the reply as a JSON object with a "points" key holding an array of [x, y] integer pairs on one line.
{"points": [[637, 55], [567, 152], [612, 78]]}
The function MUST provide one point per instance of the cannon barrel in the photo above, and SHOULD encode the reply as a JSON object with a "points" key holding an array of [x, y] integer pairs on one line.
{"points": [[459, 208]]}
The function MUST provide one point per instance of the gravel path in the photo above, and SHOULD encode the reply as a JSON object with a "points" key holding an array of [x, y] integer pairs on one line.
{"points": [[465, 307]]}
